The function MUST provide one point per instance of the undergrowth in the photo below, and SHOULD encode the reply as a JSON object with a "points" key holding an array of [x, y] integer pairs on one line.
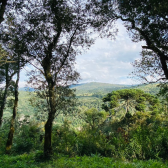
{"points": [[93, 161]]}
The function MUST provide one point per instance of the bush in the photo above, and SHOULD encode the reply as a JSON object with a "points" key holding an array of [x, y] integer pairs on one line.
{"points": [[4, 135], [64, 139], [148, 138], [27, 138]]}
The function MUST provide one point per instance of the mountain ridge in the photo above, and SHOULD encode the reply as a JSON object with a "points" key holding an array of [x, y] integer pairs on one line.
{"points": [[104, 88]]}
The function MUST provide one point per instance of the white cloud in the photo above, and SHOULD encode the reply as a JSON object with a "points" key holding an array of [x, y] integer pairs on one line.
{"points": [[109, 61], [22, 84]]}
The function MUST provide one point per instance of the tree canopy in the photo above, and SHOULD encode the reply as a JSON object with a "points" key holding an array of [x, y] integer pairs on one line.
{"points": [[145, 21], [129, 101]]}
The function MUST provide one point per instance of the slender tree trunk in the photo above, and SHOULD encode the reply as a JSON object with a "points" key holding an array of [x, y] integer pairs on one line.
{"points": [[3, 104], [51, 86], [12, 128], [48, 125], [2, 9], [47, 138], [5, 95]]}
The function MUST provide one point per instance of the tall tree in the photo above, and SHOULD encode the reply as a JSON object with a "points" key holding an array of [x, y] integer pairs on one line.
{"points": [[16, 93], [14, 50], [55, 32], [148, 21], [7, 72], [129, 101]]}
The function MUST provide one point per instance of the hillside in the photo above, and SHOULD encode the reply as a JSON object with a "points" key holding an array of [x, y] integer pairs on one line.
{"points": [[96, 88], [88, 94], [149, 88], [88, 89]]}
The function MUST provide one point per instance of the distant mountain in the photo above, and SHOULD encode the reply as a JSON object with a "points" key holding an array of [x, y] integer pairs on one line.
{"points": [[27, 89], [104, 88], [76, 85], [149, 88], [96, 87]]}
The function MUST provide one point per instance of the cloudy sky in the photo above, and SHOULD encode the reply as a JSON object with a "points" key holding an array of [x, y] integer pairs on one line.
{"points": [[107, 61], [110, 61]]}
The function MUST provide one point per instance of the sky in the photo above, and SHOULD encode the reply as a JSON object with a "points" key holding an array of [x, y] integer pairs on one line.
{"points": [[107, 61]]}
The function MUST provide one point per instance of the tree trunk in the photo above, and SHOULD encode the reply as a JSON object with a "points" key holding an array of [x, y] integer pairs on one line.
{"points": [[12, 128], [46, 63], [5, 95], [3, 104], [47, 138], [2, 9], [52, 109], [48, 125]]}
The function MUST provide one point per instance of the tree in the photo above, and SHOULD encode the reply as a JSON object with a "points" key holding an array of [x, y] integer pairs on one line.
{"points": [[7, 72], [13, 50], [65, 102], [54, 32], [16, 93], [145, 21], [9, 9], [148, 68], [129, 101], [148, 21], [93, 117]]}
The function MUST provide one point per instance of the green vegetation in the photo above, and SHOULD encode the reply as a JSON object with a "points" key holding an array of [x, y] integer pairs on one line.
{"points": [[89, 99], [52, 129], [24, 106], [94, 161], [129, 101], [93, 131], [150, 88], [94, 89], [90, 135]]}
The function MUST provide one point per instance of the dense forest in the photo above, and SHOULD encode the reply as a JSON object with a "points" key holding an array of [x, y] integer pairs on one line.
{"points": [[58, 123]]}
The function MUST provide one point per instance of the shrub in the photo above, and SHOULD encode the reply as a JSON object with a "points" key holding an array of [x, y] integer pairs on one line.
{"points": [[27, 138]]}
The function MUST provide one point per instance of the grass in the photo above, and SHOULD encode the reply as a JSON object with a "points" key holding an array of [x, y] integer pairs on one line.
{"points": [[94, 161]]}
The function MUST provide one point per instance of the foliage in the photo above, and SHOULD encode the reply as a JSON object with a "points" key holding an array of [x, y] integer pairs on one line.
{"points": [[148, 137], [145, 21], [49, 34], [64, 139], [3, 58], [141, 18], [163, 94], [65, 102], [4, 134], [130, 101], [27, 137], [93, 117]]}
